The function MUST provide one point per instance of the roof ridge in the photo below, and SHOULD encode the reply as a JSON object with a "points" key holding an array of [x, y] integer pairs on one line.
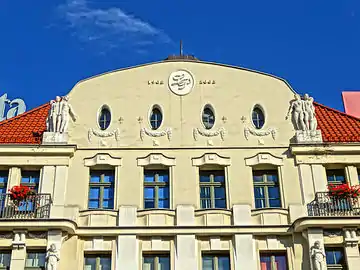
{"points": [[23, 114], [337, 111]]}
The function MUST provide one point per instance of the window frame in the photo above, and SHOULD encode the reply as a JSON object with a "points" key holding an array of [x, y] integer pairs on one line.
{"points": [[273, 255], [334, 175], [205, 122], [36, 251], [104, 121], [212, 185], [266, 184], [215, 258], [156, 121], [101, 185], [9, 252], [259, 111], [336, 266], [34, 186], [156, 257], [3, 185], [98, 257], [156, 185]]}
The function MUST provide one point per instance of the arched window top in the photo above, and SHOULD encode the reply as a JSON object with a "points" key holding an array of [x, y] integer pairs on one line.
{"points": [[208, 117], [104, 117], [258, 117], [156, 117]]}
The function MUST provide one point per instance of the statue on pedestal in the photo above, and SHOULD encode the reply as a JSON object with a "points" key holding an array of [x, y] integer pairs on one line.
{"points": [[317, 256], [66, 111], [59, 115], [52, 258]]}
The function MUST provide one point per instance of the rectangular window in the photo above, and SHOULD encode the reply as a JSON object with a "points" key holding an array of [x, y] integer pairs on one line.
{"points": [[266, 188], [336, 177], [4, 175], [30, 179], [5, 258], [97, 262], [156, 189], [212, 189], [156, 262], [335, 258], [101, 189], [273, 261], [215, 262], [35, 260]]}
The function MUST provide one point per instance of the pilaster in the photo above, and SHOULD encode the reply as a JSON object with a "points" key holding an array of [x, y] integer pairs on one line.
{"points": [[57, 209], [306, 183], [244, 252], [18, 254], [352, 175], [315, 235], [47, 180], [14, 176], [319, 177], [351, 248], [186, 252]]}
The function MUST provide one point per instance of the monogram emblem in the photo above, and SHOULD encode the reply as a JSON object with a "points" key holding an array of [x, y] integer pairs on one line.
{"points": [[181, 82]]}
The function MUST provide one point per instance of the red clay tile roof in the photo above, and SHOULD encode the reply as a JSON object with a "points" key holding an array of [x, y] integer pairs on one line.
{"points": [[28, 127], [337, 126]]}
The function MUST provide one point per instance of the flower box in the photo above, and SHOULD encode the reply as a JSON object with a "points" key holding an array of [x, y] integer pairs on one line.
{"points": [[344, 191], [19, 194]]}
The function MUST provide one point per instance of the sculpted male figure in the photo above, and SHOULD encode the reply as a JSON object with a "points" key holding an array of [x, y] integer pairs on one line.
{"points": [[66, 112], [297, 110], [54, 114], [309, 113], [52, 258], [317, 256]]}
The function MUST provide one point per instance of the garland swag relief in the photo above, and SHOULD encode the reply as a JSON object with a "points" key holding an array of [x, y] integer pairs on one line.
{"points": [[155, 133], [259, 133], [103, 134], [207, 133]]}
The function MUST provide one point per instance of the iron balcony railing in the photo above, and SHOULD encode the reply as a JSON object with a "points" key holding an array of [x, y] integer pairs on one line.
{"points": [[35, 206], [326, 205]]}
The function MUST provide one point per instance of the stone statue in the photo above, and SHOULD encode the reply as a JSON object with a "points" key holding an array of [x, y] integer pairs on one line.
{"points": [[59, 115], [309, 113], [303, 113], [317, 256], [296, 108], [52, 258], [66, 112]]}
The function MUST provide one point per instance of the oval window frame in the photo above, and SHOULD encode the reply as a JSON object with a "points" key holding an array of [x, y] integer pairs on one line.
{"points": [[211, 108], [104, 107], [160, 109], [262, 110]]}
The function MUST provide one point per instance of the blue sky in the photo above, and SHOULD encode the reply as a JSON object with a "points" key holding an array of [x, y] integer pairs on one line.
{"points": [[47, 46]]}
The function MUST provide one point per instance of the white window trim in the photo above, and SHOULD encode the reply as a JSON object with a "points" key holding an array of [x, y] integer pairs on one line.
{"points": [[211, 159], [264, 158], [103, 159]]}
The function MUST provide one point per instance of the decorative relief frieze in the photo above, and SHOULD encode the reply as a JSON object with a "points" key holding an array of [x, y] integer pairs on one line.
{"points": [[207, 82], [259, 133], [156, 133], [209, 133], [103, 134], [332, 233], [8, 235], [152, 82], [37, 235]]}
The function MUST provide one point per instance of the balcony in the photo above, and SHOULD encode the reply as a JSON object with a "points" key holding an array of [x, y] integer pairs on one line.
{"points": [[326, 205], [35, 206]]}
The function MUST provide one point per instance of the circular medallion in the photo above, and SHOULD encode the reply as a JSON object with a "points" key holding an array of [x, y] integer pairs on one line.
{"points": [[181, 82]]}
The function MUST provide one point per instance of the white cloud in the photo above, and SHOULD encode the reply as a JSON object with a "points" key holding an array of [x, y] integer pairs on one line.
{"points": [[110, 27]]}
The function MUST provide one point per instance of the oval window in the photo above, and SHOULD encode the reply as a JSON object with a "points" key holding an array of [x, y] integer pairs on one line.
{"points": [[208, 117], [155, 118], [258, 118], [104, 118]]}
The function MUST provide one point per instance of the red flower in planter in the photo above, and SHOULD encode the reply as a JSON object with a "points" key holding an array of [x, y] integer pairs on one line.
{"points": [[344, 191], [20, 193]]}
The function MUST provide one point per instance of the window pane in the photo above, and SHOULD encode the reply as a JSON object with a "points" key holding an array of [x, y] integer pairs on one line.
{"points": [[259, 192], [149, 193], [163, 193], [109, 178], [220, 193], [148, 263], [94, 193], [149, 176], [205, 192], [108, 193], [164, 263], [94, 204], [204, 177], [163, 203], [149, 204], [274, 203], [224, 263], [4, 177], [281, 262], [105, 263], [258, 178], [274, 192], [220, 204], [205, 204], [35, 259], [163, 177], [272, 177], [207, 263], [90, 264], [219, 178], [95, 177], [260, 203], [108, 204], [5, 259]]}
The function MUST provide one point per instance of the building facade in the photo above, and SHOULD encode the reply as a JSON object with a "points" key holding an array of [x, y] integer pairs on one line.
{"points": [[179, 164]]}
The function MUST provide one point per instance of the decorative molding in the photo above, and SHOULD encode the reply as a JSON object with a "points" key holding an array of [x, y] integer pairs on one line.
{"points": [[259, 133], [350, 237], [156, 159], [181, 82], [332, 233], [209, 133], [5, 235], [156, 133], [102, 159], [207, 82], [103, 134], [152, 82], [19, 239], [211, 159], [37, 235], [264, 158]]}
